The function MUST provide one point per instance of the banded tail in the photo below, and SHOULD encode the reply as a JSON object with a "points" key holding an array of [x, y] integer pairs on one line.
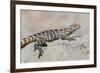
{"points": [[27, 40]]}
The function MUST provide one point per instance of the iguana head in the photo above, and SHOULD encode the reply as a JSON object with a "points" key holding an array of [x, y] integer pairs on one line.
{"points": [[71, 28], [74, 26]]}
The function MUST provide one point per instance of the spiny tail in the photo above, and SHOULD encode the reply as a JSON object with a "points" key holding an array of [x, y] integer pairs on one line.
{"points": [[27, 40]]}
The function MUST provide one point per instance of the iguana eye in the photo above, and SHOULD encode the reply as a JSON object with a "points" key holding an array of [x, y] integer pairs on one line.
{"points": [[71, 28], [75, 25]]}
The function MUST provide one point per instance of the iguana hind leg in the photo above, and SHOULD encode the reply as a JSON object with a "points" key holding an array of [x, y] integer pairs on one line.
{"points": [[44, 45], [38, 47]]}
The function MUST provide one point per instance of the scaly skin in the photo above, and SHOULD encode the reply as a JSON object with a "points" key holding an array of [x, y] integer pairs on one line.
{"points": [[41, 38]]}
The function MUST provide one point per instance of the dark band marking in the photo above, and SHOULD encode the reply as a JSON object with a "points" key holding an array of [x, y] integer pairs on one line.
{"points": [[31, 38], [51, 35], [47, 35], [57, 33]]}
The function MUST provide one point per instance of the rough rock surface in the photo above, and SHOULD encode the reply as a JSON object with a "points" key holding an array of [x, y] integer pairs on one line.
{"points": [[58, 50]]}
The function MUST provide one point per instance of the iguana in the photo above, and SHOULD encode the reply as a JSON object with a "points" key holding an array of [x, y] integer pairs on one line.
{"points": [[41, 38]]}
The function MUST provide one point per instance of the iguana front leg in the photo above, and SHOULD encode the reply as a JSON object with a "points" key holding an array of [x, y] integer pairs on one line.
{"points": [[69, 38], [64, 36]]}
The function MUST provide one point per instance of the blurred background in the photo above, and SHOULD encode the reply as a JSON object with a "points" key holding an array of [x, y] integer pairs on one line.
{"points": [[36, 21]]}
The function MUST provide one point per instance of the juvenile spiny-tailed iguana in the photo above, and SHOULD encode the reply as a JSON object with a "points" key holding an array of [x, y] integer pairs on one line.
{"points": [[41, 38]]}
